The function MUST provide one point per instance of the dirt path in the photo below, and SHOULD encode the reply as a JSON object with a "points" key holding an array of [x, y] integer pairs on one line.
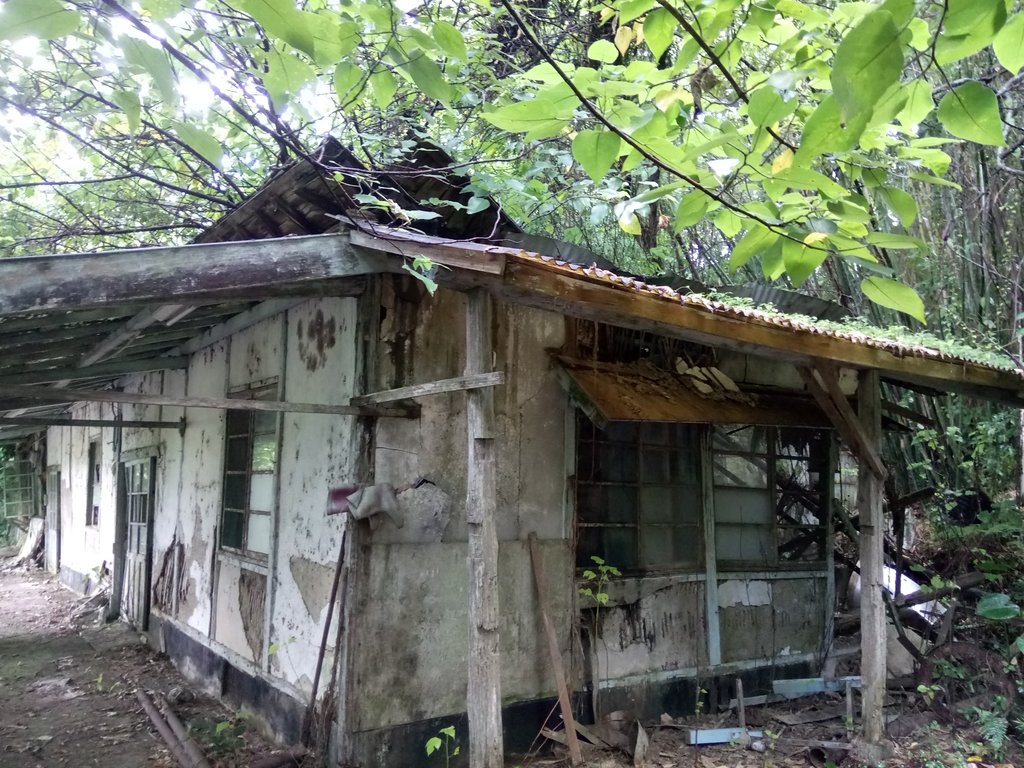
{"points": [[67, 693]]}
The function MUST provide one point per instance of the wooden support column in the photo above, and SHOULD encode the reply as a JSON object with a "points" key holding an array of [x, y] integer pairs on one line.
{"points": [[872, 535], [483, 698]]}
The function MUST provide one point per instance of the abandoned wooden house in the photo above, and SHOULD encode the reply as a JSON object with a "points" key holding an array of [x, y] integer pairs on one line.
{"points": [[199, 403]]}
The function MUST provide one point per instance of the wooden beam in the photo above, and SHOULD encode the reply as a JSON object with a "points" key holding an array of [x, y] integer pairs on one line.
{"points": [[872, 563], [121, 337], [567, 291], [478, 257], [459, 384], [483, 697], [239, 322], [564, 703], [180, 274], [60, 395], [910, 415], [111, 369], [66, 421], [828, 376], [845, 422]]}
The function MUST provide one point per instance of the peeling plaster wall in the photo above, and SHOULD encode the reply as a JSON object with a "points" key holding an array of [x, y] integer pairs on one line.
{"points": [[318, 452], [410, 624], [650, 625], [762, 619], [85, 549]]}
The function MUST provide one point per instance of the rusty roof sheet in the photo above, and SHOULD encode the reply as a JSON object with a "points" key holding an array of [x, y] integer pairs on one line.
{"points": [[756, 315]]}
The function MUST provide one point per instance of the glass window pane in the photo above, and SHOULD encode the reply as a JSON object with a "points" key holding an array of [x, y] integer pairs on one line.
{"points": [[741, 439], [261, 493], [231, 535], [616, 463], [259, 534], [265, 421], [741, 471], [264, 453], [234, 491], [743, 505], [657, 504], [670, 545], [238, 422], [744, 543], [238, 453], [617, 546]]}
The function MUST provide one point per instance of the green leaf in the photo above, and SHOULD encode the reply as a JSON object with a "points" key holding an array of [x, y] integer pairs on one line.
{"points": [[433, 744], [894, 295], [972, 17], [528, 116], [868, 61], [824, 133], [801, 259], [285, 76], [772, 263], [895, 241], [919, 104], [633, 9], [44, 19], [348, 82], [450, 40], [281, 20], [901, 204], [659, 28], [603, 51], [596, 150], [691, 210], [129, 102], [202, 142], [429, 78], [728, 223], [155, 62], [998, 607], [757, 240], [477, 204], [971, 112], [383, 85], [449, 731], [767, 106], [1009, 44]]}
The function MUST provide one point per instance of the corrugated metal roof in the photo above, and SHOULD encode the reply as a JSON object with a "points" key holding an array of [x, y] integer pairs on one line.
{"points": [[793, 323]]}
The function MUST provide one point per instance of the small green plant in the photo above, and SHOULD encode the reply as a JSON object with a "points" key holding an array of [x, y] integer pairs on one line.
{"points": [[446, 741], [221, 738], [597, 581], [698, 704]]}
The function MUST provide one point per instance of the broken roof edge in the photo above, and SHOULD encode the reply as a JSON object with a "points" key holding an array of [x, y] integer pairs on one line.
{"points": [[747, 328]]}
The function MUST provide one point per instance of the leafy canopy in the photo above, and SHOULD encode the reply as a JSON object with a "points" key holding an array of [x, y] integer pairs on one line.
{"points": [[792, 127]]}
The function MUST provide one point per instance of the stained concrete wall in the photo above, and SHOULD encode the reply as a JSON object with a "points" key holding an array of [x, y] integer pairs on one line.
{"points": [[268, 627], [410, 626]]}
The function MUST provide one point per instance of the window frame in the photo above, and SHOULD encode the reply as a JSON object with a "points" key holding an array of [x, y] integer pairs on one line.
{"points": [[773, 457], [93, 483], [267, 390], [688, 490], [702, 447]]}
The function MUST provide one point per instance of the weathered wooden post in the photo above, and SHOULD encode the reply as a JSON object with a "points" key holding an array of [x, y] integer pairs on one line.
{"points": [[483, 699], [872, 534]]}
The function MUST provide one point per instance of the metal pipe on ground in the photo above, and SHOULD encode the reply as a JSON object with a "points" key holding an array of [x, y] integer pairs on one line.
{"points": [[177, 751], [195, 755]]}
